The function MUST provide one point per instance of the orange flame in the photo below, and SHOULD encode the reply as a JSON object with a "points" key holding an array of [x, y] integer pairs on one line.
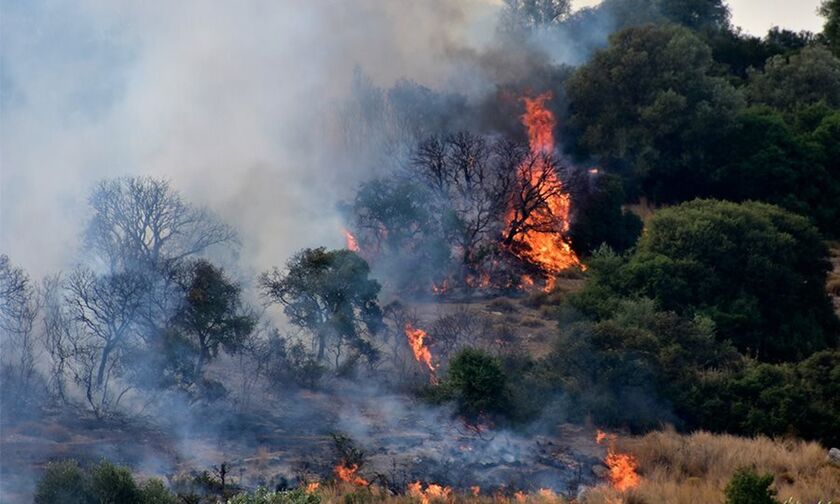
{"points": [[548, 250], [417, 342], [432, 492], [623, 473], [622, 466], [312, 487], [352, 244], [348, 474]]}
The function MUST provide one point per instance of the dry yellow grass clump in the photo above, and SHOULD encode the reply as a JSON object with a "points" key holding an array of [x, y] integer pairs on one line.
{"points": [[696, 468]]}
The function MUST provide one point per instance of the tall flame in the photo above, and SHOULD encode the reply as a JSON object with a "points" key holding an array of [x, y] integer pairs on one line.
{"points": [[548, 250], [417, 341], [352, 244], [622, 466]]}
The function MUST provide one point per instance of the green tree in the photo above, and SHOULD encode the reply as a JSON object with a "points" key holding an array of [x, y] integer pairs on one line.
{"points": [[771, 160], [114, 485], [649, 105], [64, 482], [696, 14], [804, 78], [600, 219], [747, 487], [478, 383], [830, 10], [756, 270], [328, 293], [211, 316]]}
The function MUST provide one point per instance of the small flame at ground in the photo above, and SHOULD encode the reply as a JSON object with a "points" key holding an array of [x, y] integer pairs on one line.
{"points": [[312, 487], [417, 341], [622, 466], [432, 492], [352, 244], [348, 474]]}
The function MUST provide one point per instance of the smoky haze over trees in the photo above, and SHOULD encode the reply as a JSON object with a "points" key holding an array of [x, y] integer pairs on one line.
{"points": [[700, 170]]}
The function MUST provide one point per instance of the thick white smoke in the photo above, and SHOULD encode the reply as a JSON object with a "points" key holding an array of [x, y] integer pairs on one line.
{"points": [[226, 99]]}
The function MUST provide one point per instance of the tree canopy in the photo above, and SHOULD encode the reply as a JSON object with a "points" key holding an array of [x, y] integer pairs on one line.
{"points": [[754, 269], [328, 293], [649, 106]]}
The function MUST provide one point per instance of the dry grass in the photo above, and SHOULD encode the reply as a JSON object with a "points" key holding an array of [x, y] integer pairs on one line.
{"points": [[696, 468], [675, 469]]}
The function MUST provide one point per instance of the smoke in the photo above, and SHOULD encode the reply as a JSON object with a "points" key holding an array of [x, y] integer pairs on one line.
{"points": [[227, 100]]}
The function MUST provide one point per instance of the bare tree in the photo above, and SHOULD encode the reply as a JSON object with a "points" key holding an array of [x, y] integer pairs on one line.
{"points": [[141, 222], [98, 329], [535, 192], [471, 180], [19, 308]]}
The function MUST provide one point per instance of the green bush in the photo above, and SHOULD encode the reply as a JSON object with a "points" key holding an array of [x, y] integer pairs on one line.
{"points": [[264, 496], [154, 491], [478, 383], [747, 487], [67, 483], [114, 485], [64, 482], [757, 271]]}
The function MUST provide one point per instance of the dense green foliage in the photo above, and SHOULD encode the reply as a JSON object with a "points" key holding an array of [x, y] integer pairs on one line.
{"points": [[665, 324], [650, 107], [664, 107], [478, 384], [330, 294], [601, 220], [747, 487], [66, 482], [756, 270]]}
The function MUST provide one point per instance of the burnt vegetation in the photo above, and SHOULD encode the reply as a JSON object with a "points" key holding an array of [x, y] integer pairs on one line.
{"points": [[646, 239]]}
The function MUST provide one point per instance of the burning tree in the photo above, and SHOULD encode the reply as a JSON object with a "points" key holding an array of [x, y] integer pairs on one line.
{"points": [[329, 294], [484, 202]]}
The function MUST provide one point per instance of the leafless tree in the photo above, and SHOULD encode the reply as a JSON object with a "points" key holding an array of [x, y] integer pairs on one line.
{"points": [[19, 308], [535, 187], [141, 222], [97, 330], [471, 179]]}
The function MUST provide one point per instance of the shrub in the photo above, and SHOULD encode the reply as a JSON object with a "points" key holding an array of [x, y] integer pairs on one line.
{"points": [[478, 383], [154, 491], [747, 487], [114, 485], [64, 482], [757, 271]]}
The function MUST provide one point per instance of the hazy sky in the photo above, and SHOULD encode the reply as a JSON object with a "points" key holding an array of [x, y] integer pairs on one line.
{"points": [[757, 16]]}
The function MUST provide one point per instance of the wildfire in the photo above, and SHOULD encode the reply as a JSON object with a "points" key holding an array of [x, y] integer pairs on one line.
{"points": [[417, 342], [432, 492], [352, 244], [312, 487], [548, 250], [348, 474], [622, 466]]}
